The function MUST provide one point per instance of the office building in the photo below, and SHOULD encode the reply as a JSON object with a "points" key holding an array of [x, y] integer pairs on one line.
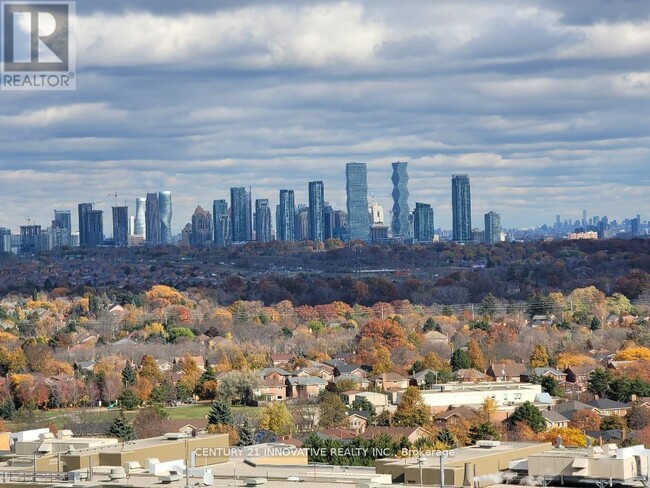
{"points": [[356, 188], [61, 232], [263, 231], [286, 223], [635, 226], [152, 220], [461, 203], [400, 222], [221, 223], [241, 215], [140, 227], [316, 208], [91, 226], [120, 226], [131, 225], [340, 223], [492, 228], [201, 234], [165, 206], [423, 223]]}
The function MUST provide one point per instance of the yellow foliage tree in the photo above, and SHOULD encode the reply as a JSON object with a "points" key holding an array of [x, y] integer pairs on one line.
{"points": [[571, 437], [634, 353], [567, 359], [277, 418], [161, 296]]}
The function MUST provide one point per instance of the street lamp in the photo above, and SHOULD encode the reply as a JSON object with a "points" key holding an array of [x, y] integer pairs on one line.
{"points": [[421, 461]]}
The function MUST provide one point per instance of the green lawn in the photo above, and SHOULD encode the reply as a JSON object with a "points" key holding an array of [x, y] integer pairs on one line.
{"points": [[192, 412]]}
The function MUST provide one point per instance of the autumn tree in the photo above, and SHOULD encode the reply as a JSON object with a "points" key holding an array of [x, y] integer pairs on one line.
{"points": [[476, 358], [412, 411], [150, 422], [613, 422], [333, 412], [571, 437], [585, 420], [149, 369], [638, 417], [277, 418], [638, 353], [539, 357], [387, 333], [191, 373]]}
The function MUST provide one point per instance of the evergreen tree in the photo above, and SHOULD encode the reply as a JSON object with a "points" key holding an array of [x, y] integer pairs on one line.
{"points": [[485, 431], [362, 404], [246, 433], [447, 438], [128, 399], [431, 325], [121, 428], [128, 374], [529, 414], [488, 306], [220, 413], [459, 360], [599, 382]]}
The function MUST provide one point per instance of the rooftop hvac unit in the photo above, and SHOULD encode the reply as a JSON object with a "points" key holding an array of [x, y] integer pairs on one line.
{"points": [[487, 444]]}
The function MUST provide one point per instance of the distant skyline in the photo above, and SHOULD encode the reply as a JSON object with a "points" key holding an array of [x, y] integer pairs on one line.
{"points": [[545, 104]]}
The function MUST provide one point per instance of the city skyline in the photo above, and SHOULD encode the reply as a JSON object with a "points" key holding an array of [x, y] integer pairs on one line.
{"points": [[538, 124]]}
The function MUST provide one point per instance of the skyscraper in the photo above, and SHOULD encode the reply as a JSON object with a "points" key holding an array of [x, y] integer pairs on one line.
{"points": [[221, 223], [165, 206], [91, 226], [241, 218], [5, 239], [328, 222], [316, 208], [286, 216], [201, 234], [423, 223], [400, 179], [492, 228], [121, 226], [263, 232], [29, 239], [461, 204], [61, 229], [301, 225], [152, 220], [356, 188], [140, 227]]}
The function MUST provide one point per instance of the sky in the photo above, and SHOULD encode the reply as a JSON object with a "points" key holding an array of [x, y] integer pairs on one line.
{"points": [[545, 104]]}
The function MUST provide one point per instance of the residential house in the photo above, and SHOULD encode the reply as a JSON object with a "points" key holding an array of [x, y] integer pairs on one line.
{"points": [[277, 374], [164, 365], [419, 379], [456, 414], [554, 419], [557, 375], [396, 433], [470, 375], [358, 420], [389, 381], [279, 359], [350, 369], [568, 409], [435, 337], [271, 390], [606, 407], [84, 365], [579, 376], [542, 320], [337, 434], [307, 388], [199, 360], [510, 372]]}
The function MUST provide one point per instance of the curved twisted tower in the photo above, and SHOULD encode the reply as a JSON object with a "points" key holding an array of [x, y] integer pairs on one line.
{"points": [[400, 222]]}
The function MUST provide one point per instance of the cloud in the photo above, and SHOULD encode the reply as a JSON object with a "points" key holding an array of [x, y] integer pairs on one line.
{"points": [[544, 106]]}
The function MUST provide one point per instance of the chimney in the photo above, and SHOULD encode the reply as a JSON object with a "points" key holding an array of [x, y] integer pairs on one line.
{"points": [[633, 397]]}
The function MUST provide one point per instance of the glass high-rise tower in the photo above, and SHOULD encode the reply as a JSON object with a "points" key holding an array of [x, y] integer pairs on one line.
{"points": [[356, 188], [221, 223], [165, 205], [316, 209], [263, 231], [286, 216], [91, 226], [62, 229], [400, 179], [241, 218], [201, 234], [492, 228], [152, 219], [423, 224], [120, 226], [461, 205]]}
